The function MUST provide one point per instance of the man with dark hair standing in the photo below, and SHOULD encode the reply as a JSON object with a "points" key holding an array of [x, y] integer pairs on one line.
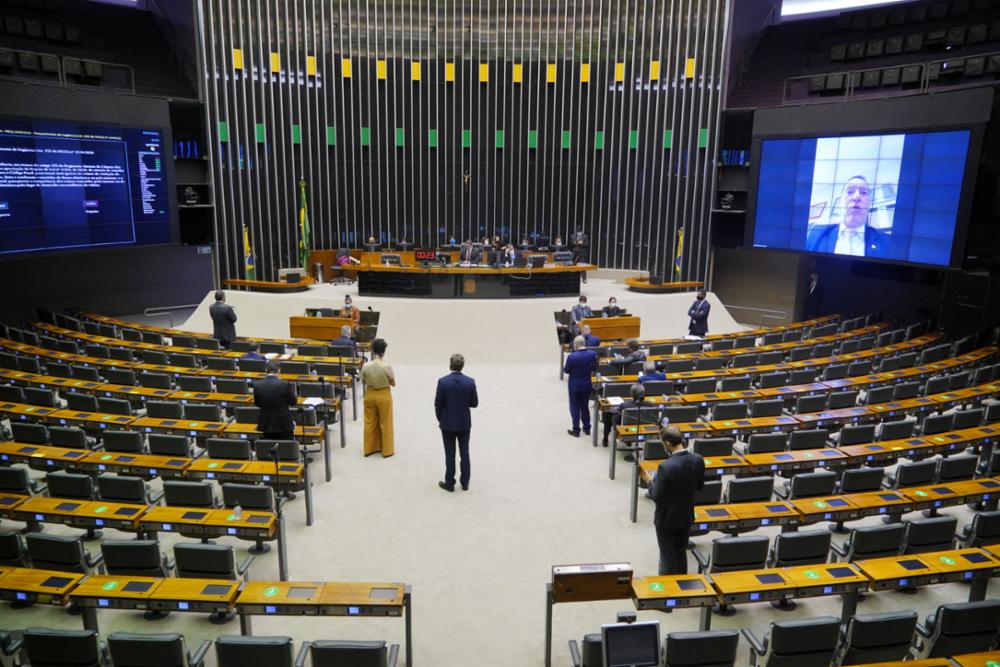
{"points": [[673, 488], [274, 396], [223, 320], [698, 312], [456, 395], [814, 297]]}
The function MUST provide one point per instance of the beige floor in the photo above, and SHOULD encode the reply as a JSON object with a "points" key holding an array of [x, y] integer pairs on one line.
{"points": [[478, 561]]}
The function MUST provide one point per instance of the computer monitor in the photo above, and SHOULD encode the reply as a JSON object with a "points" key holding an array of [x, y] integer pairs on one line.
{"points": [[520, 261], [631, 644], [537, 261], [493, 258], [443, 258], [390, 258], [562, 257], [293, 277]]}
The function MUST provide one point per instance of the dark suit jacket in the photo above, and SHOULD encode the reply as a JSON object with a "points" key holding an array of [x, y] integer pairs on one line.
{"points": [[813, 301], [473, 255], [590, 340], [579, 365], [823, 238], [614, 312], [340, 341], [698, 312], [223, 321], [274, 397], [456, 394], [677, 478]]}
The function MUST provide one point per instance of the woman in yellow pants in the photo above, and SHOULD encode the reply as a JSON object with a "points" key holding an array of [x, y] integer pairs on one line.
{"points": [[378, 378]]}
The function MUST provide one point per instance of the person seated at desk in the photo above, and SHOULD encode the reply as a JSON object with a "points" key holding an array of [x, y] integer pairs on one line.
{"points": [[612, 418], [634, 354], [452, 243], [650, 372], [526, 244], [589, 339], [557, 245], [612, 309], [345, 340], [580, 312], [404, 245], [470, 254], [351, 311], [508, 255], [371, 245], [344, 258], [497, 242], [253, 352]]}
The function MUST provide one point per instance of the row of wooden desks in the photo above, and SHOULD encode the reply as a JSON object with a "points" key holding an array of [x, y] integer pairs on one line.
{"points": [[699, 591], [170, 594]]}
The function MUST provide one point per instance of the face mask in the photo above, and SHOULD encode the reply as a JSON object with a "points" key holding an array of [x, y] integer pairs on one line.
{"points": [[701, 298], [612, 303]]}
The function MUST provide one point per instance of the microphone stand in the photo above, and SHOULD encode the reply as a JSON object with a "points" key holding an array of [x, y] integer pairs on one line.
{"points": [[279, 517]]}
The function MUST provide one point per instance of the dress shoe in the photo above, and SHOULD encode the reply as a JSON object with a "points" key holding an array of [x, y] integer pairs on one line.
{"points": [[575, 434], [586, 431], [465, 487], [630, 458], [604, 443], [449, 489]]}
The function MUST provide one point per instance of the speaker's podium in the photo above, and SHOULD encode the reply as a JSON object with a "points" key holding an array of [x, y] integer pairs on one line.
{"points": [[317, 324], [613, 328]]}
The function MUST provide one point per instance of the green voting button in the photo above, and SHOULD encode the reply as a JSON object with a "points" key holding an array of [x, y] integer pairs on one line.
{"points": [[110, 586], [101, 509], [922, 494], [708, 462], [107, 457], [213, 465], [820, 503], [271, 591], [812, 574], [656, 586], [947, 560]]}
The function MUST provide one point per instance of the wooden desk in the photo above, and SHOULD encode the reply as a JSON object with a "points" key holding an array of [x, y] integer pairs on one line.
{"points": [[896, 572], [250, 432], [985, 659], [792, 392], [882, 502], [10, 501], [877, 453], [613, 328], [639, 284], [115, 592], [198, 595], [80, 513], [324, 328], [41, 457], [934, 496], [143, 465], [714, 518], [827, 508], [28, 585], [798, 460], [974, 566], [93, 421], [825, 418], [27, 413], [772, 513], [704, 400], [185, 427], [271, 286], [714, 466], [210, 522], [214, 398], [673, 591], [753, 586]]}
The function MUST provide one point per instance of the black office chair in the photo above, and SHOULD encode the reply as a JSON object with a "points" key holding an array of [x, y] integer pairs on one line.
{"points": [[740, 383], [870, 542], [32, 365], [810, 642], [848, 346], [712, 446], [700, 386], [197, 383], [872, 638], [240, 651], [769, 358], [135, 558], [60, 552], [227, 448], [767, 408], [678, 414], [679, 365], [114, 406], [857, 434], [13, 552], [709, 363], [911, 474], [937, 385], [29, 434], [252, 497], [81, 402], [744, 360], [905, 390], [834, 372], [956, 468], [715, 648], [126, 489], [808, 485], [251, 365], [190, 494], [858, 368], [749, 490], [155, 381], [734, 410], [730, 554], [246, 415], [843, 399], [154, 357], [45, 398], [64, 484], [325, 653], [763, 443], [934, 424], [791, 549], [710, 493], [933, 534], [878, 395], [958, 628], [800, 353], [164, 410], [896, 430], [658, 387], [968, 418], [183, 340], [809, 438], [163, 444], [18, 482], [45, 647], [211, 561], [220, 364], [802, 376], [588, 652], [815, 403], [983, 531], [775, 379], [861, 480], [232, 386], [123, 441], [130, 649], [183, 360]]}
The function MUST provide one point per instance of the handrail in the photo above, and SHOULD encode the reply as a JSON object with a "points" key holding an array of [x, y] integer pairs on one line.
{"points": [[777, 315], [166, 310]]}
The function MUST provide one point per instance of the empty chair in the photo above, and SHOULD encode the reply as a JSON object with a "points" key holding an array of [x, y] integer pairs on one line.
{"points": [[181, 340], [155, 381], [801, 376], [131, 335], [312, 351], [870, 542], [326, 653], [749, 490], [251, 365], [709, 363], [588, 652], [712, 446], [887, 364], [912, 474], [246, 415], [848, 346], [772, 338], [834, 372], [896, 430], [724, 344], [220, 363], [11, 394], [767, 408], [861, 480], [45, 398], [871, 638], [955, 468], [866, 343], [70, 437], [763, 443], [87, 373], [18, 482], [800, 354], [168, 445], [775, 379], [792, 336], [287, 450], [32, 365], [809, 485], [123, 441], [190, 494], [808, 438], [983, 531], [877, 395], [210, 561], [129, 649], [983, 375], [62, 648], [937, 424], [810, 642], [800, 548], [121, 354], [968, 418], [856, 434], [62, 484], [774, 357], [182, 360], [60, 552], [114, 406], [154, 357], [81, 402], [272, 348], [68, 346], [734, 553], [715, 648], [125, 489], [678, 414], [740, 383], [932, 534], [700, 386], [992, 412], [203, 412], [13, 553], [744, 360], [135, 558], [815, 403], [823, 350], [958, 628], [905, 390], [744, 342], [253, 497], [653, 387], [32, 434], [733, 410], [194, 383], [209, 344], [164, 410], [151, 337], [907, 359], [227, 448], [710, 493], [958, 380], [937, 385], [232, 386], [322, 368], [239, 651], [673, 365], [843, 399]]}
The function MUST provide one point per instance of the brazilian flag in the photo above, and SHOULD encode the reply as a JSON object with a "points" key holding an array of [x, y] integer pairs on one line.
{"points": [[305, 236], [249, 265], [680, 252]]}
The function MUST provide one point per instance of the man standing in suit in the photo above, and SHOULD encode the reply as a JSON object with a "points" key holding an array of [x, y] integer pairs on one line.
{"points": [[698, 312], [223, 320], [579, 365], [274, 396], [814, 297], [673, 488], [456, 395], [851, 234]]}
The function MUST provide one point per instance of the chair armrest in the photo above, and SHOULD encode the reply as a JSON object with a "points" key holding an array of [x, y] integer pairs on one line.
{"points": [[168, 564], [197, 658], [13, 647], [243, 567], [783, 491], [94, 560], [38, 487], [839, 549], [701, 559], [155, 497], [923, 630], [393, 654], [574, 653], [300, 659], [757, 646]]}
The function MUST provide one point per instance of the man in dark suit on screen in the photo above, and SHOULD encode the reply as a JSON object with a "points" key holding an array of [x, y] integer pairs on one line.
{"points": [[698, 312], [456, 395], [673, 488], [851, 233], [274, 397], [223, 320]]}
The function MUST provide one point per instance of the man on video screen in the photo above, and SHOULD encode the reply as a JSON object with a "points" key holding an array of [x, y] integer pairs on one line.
{"points": [[852, 234]]}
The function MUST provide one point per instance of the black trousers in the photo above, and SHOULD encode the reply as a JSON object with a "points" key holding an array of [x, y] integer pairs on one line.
{"points": [[287, 435], [673, 549], [451, 438], [224, 344]]}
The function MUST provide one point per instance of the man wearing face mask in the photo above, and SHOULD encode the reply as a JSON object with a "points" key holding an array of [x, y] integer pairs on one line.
{"points": [[698, 312], [612, 309], [851, 234]]}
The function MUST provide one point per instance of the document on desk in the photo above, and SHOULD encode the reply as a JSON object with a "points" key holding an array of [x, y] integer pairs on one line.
{"points": [[312, 400], [616, 400]]}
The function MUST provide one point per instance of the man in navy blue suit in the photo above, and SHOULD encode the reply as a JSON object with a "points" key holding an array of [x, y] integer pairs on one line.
{"points": [[698, 312], [851, 234], [579, 365], [456, 394]]}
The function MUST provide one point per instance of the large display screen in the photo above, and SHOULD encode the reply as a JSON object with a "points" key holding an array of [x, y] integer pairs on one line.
{"points": [[71, 185], [883, 196]]}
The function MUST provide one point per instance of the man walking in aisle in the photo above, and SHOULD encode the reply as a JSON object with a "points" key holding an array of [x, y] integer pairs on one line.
{"points": [[456, 395]]}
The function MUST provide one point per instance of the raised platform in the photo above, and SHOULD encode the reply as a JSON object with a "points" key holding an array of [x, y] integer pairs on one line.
{"points": [[268, 286], [469, 282], [637, 284]]}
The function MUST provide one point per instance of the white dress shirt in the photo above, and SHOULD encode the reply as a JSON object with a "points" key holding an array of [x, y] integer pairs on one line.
{"points": [[850, 240]]}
